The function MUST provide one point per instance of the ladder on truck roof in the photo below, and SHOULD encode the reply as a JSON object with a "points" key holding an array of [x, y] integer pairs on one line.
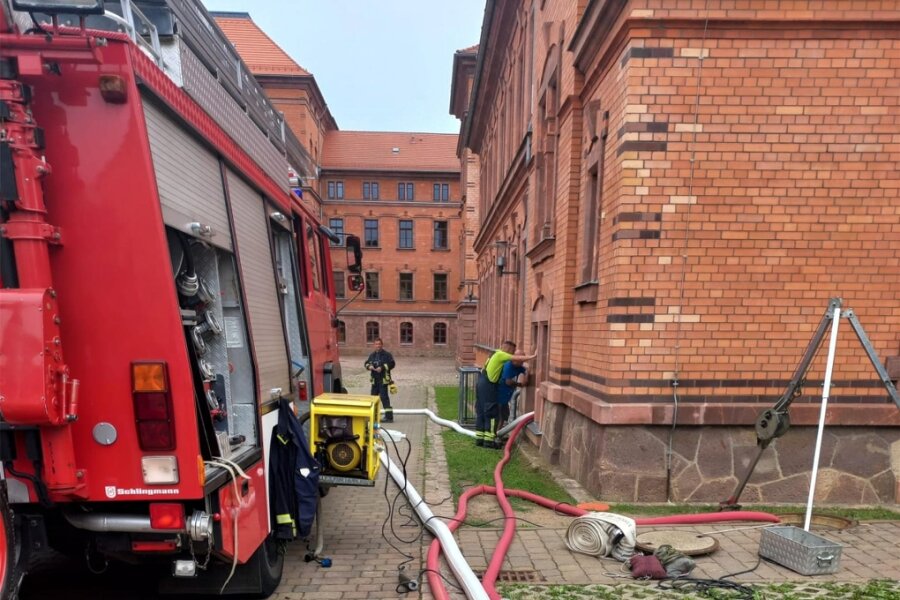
{"points": [[188, 45]]}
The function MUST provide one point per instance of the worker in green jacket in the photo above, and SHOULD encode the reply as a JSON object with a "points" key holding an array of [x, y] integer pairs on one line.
{"points": [[487, 411]]}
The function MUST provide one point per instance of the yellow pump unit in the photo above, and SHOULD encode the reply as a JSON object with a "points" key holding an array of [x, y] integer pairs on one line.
{"points": [[342, 434]]}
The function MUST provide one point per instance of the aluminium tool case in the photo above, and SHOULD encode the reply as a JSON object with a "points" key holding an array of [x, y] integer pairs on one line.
{"points": [[799, 550]]}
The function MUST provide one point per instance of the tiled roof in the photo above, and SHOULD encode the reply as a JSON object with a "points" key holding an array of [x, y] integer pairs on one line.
{"points": [[262, 55], [390, 151], [469, 50]]}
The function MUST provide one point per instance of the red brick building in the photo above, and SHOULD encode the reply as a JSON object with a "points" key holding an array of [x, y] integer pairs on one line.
{"points": [[399, 192], [470, 181], [403, 186], [290, 87], [670, 194]]}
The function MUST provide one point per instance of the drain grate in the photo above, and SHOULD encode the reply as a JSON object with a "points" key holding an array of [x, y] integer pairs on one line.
{"points": [[516, 576]]}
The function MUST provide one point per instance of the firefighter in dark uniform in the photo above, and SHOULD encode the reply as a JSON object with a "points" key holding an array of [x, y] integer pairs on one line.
{"points": [[380, 364]]}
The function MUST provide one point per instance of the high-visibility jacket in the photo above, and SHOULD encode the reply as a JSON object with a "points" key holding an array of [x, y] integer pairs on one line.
{"points": [[293, 477]]}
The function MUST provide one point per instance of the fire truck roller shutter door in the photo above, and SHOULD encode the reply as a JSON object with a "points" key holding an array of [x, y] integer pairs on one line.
{"points": [[255, 256], [188, 179]]}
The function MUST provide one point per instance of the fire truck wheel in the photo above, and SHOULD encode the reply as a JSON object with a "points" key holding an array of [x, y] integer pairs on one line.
{"points": [[9, 576], [269, 559]]}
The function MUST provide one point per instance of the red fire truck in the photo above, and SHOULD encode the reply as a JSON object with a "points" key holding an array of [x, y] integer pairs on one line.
{"points": [[157, 282]]}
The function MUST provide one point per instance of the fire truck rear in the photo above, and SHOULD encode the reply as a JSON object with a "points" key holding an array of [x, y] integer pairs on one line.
{"points": [[155, 273]]}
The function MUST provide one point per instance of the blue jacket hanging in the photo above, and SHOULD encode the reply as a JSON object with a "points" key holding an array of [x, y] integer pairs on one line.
{"points": [[293, 477]]}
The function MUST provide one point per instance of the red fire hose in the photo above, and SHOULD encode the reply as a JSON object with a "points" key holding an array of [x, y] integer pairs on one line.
{"points": [[439, 591]]}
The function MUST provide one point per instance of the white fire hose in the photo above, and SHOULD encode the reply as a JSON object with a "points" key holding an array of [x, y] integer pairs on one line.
{"points": [[467, 579], [453, 424]]}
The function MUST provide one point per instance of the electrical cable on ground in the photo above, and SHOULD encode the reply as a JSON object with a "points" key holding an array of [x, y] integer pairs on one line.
{"points": [[407, 582], [433, 561], [705, 587], [444, 538], [443, 531], [391, 504]]}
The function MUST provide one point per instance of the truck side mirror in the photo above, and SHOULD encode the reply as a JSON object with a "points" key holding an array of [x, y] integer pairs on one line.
{"points": [[356, 283], [354, 255]]}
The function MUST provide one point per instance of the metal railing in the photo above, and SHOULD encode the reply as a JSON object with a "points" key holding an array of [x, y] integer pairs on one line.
{"points": [[137, 25]]}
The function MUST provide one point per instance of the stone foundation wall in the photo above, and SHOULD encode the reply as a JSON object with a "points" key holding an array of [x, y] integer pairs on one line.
{"points": [[858, 465]]}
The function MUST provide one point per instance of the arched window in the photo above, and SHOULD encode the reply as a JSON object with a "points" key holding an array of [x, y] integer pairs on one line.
{"points": [[440, 333], [372, 332], [342, 332], [406, 332]]}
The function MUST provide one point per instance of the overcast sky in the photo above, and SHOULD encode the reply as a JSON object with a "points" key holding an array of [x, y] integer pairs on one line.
{"points": [[382, 65]]}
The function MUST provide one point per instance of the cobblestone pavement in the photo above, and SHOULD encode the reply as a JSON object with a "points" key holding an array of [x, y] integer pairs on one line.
{"points": [[365, 565]]}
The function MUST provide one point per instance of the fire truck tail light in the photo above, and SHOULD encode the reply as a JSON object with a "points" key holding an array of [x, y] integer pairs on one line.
{"points": [[167, 515], [156, 435], [160, 470], [153, 406], [149, 377]]}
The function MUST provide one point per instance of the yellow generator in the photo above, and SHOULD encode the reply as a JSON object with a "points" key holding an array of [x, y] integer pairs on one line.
{"points": [[342, 434]]}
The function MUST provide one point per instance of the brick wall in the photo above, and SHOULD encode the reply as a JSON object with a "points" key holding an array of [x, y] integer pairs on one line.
{"points": [[388, 260], [389, 326], [747, 174], [792, 199]]}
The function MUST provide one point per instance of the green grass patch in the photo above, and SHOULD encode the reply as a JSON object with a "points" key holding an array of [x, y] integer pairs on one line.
{"points": [[859, 514], [470, 465], [878, 589]]}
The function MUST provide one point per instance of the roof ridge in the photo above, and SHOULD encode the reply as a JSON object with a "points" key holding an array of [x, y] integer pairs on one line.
{"points": [[274, 44], [397, 132], [230, 14]]}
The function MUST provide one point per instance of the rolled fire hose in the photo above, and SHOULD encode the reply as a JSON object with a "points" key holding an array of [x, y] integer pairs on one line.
{"points": [[602, 534]]}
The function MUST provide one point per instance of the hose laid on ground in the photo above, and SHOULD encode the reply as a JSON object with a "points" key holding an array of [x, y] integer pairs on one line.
{"points": [[456, 426], [443, 536], [439, 591], [424, 411], [509, 526], [574, 511]]}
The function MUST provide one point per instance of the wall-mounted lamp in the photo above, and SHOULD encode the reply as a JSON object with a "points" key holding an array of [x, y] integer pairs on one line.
{"points": [[470, 290], [502, 251]]}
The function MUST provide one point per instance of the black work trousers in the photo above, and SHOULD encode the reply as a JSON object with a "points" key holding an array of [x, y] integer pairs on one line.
{"points": [[487, 411]]}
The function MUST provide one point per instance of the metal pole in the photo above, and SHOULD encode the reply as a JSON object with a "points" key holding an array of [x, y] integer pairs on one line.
{"points": [[826, 390]]}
